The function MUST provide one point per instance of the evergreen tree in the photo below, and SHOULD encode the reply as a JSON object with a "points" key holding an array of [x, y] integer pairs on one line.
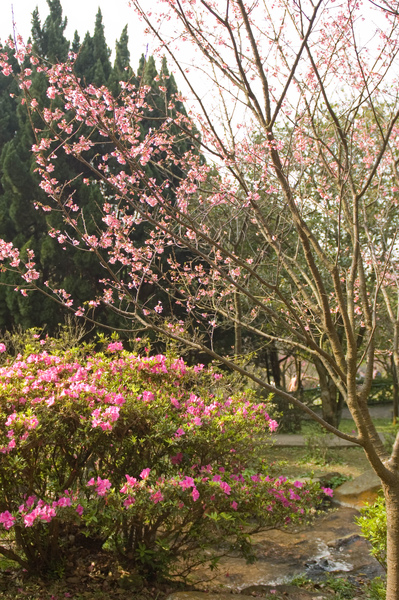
{"points": [[8, 107], [76, 43], [122, 70], [20, 223], [49, 41], [122, 56], [93, 63]]}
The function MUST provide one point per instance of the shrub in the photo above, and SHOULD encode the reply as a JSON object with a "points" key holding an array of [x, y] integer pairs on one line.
{"points": [[142, 452], [373, 523]]}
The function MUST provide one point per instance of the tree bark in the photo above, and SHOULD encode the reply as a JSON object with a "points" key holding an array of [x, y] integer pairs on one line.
{"points": [[237, 326], [275, 364], [331, 399], [395, 371], [391, 493]]}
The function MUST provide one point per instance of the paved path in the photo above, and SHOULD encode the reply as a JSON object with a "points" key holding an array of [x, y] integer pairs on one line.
{"points": [[380, 411]]}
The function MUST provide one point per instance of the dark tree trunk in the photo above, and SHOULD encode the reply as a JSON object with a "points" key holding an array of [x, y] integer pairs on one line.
{"points": [[237, 326], [331, 400], [275, 364]]}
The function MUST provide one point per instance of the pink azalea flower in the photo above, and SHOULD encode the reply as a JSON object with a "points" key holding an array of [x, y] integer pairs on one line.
{"points": [[225, 487], [131, 480], [29, 519], [119, 399], [176, 460], [102, 485], [148, 396], [144, 473], [64, 501], [115, 346], [129, 501], [157, 497], [7, 519], [187, 482]]}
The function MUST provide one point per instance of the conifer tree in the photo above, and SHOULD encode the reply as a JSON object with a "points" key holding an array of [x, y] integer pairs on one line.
{"points": [[93, 63], [49, 41]]}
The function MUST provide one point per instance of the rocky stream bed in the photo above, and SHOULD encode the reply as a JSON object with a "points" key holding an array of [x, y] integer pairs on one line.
{"points": [[330, 546]]}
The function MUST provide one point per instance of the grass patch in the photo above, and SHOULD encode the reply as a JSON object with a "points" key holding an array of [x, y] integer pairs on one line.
{"points": [[342, 587], [297, 462]]}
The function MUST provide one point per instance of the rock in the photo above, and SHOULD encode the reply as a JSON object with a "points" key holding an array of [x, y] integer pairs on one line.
{"points": [[344, 541], [204, 596], [355, 493], [288, 592]]}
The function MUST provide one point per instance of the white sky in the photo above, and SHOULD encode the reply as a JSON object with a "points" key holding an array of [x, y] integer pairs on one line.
{"points": [[81, 16]]}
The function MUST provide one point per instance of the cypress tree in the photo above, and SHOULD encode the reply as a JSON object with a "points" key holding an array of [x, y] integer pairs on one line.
{"points": [[93, 63], [49, 41]]}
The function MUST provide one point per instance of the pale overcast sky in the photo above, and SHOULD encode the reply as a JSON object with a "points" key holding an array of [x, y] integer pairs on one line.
{"points": [[81, 16]]}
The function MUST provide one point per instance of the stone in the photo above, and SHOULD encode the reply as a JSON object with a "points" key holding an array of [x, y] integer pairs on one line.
{"points": [[288, 592], [355, 493], [204, 596]]}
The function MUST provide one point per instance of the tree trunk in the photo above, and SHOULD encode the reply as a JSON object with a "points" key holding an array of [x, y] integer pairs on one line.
{"points": [[331, 400], [395, 371], [275, 364], [392, 505], [237, 325]]}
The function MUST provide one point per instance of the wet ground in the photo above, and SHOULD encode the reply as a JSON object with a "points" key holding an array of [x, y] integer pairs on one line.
{"points": [[330, 544]]}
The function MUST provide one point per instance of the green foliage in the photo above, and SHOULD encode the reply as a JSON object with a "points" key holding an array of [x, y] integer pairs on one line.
{"points": [[337, 480], [49, 40], [373, 523], [377, 589], [316, 443], [343, 588]]}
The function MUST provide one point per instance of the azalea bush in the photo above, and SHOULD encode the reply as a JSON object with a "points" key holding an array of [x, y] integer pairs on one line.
{"points": [[144, 453]]}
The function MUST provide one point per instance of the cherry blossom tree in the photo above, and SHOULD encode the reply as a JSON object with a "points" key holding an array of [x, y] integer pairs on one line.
{"points": [[279, 229]]}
